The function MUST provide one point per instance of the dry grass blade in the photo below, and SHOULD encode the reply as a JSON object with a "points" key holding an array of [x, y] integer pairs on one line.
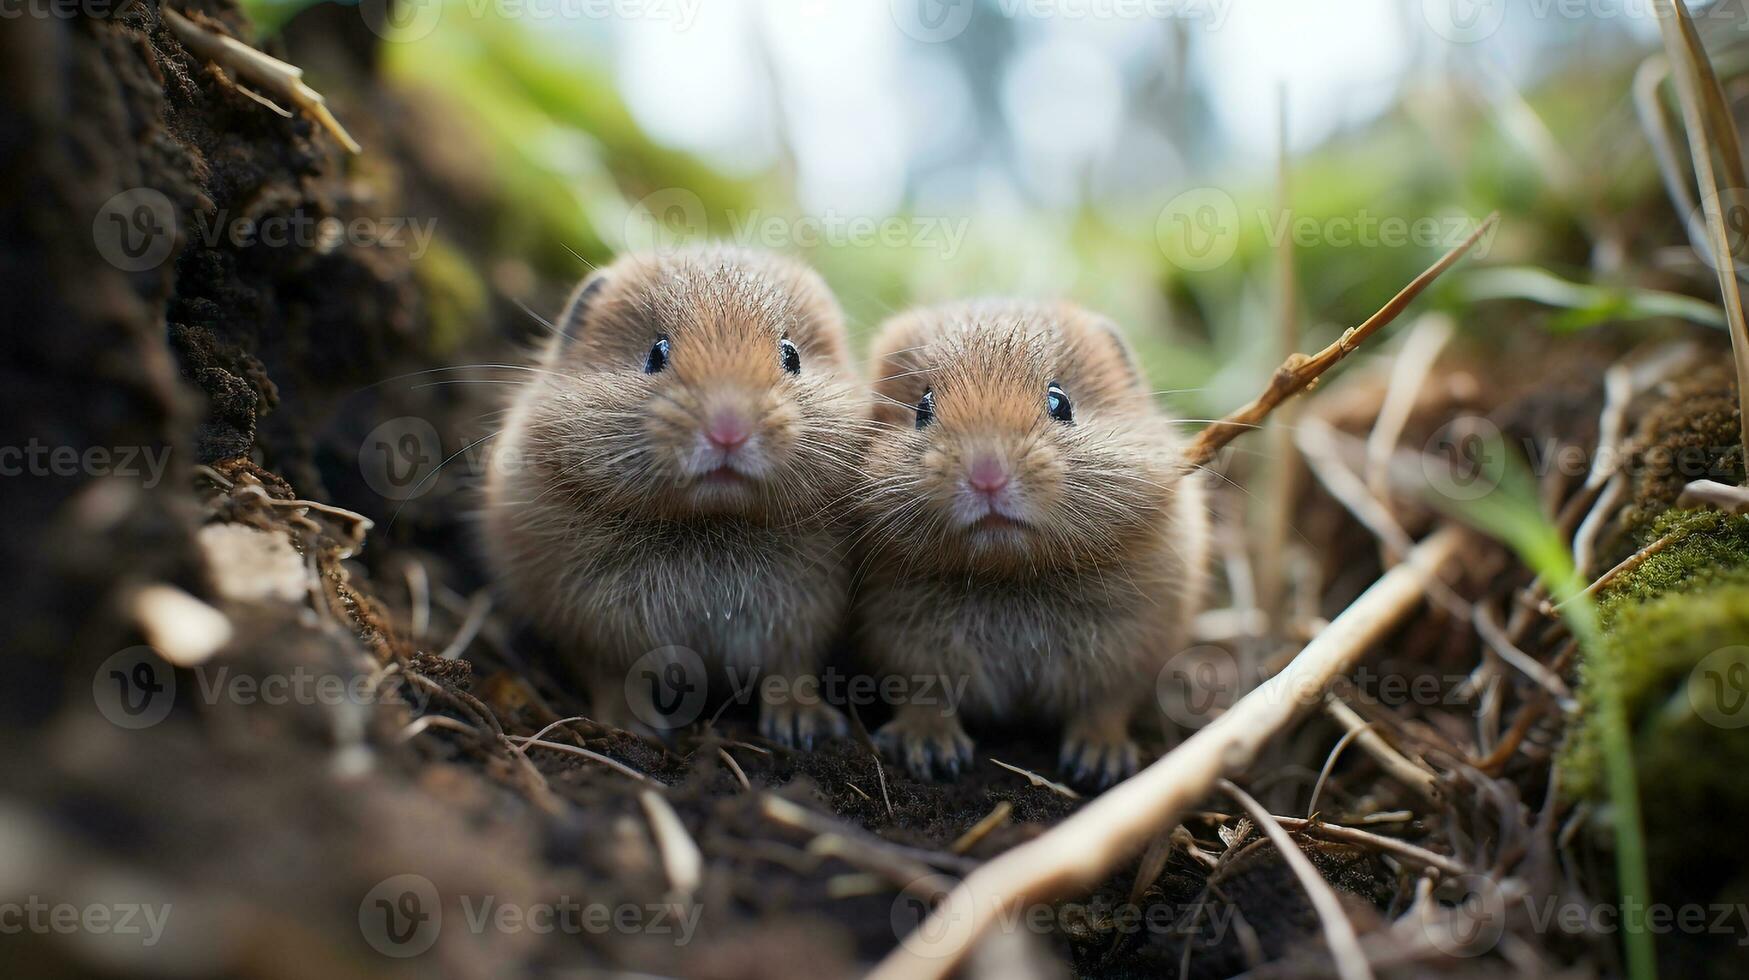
{"points": [[735, 768], [1339, 935], [1079, 852], [681, 859], [980, 830], [1710, 130], [1711, 493], [1420, 857], [1038, 780], [1280, 487], [285, 80], [1300, 370], [617, 766], [1423, 782]]}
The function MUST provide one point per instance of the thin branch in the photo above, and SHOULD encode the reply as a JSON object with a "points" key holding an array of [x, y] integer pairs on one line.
{"points": [[980, 830], [1711, 493], [1038, 780], [614, 764], [1409, 371], [735, 767], [272, 74], [1409, 853], [1415, 777], [1623, 567], [1300, 370], [1339, 935], [681, 859], [1079, 852]]}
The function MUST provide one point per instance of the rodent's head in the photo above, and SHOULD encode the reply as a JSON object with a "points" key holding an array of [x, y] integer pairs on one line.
{"points": [[1014, 439], [710, 381]]}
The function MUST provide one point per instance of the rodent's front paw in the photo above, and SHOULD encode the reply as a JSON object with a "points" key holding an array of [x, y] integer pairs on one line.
{"points": [[797, 725], [929, 745], [1097, 762]]}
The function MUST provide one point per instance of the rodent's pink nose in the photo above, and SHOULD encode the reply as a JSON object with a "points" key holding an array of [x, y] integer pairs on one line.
{"points": [[728, 430], [987, 474]]}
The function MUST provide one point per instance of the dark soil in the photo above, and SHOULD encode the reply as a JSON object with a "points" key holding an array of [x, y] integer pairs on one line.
{"points": [[272, 828]]}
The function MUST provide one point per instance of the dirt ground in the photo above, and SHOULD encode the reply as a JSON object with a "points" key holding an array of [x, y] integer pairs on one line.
{"points": [[315, 832]]}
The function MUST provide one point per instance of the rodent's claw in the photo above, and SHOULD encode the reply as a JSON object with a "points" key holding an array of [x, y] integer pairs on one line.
{"points": [[930, 747], [797, 725], [1099, 764]]}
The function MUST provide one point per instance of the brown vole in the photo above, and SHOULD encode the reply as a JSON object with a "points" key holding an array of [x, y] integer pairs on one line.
{"points": [[1033, 536], [664, 481]]}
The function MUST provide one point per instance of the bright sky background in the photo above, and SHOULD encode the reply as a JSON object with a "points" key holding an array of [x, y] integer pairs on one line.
{"points": [[876, 116]]}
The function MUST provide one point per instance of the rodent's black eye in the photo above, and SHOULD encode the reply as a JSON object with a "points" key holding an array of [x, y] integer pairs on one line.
{"points": [[926, 408], [1057, 403], [792, 358], [658, 358]]}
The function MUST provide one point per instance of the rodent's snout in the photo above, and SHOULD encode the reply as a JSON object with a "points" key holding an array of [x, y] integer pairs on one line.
{"points": [[987, 474], [728, 429], [989, 482]]}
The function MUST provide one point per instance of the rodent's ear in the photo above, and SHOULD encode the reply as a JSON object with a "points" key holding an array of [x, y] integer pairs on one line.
{"points": [[570, 324], [900, 365], [1111, 354]]}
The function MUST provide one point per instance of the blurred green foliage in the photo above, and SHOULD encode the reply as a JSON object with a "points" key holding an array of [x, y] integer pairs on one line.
{"points": [[569, 164]]}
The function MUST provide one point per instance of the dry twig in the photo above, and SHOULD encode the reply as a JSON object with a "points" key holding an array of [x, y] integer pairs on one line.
{"points": [[1339, 933], [1079, 852], [681, 859], [285, 80], [1707, 117], [1301, 370], [1038, 780]]}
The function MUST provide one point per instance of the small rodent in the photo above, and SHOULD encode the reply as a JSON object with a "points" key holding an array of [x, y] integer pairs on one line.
{"points": [[1033, 535], [668, 474]]}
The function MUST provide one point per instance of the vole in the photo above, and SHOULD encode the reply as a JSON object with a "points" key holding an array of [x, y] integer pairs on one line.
{"points": [[665, 480], [1032, 534]]}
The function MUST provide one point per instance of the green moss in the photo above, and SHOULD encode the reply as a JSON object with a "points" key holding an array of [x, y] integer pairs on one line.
{"points": [[1691, 434], [1660, 622], [1710, 549]]}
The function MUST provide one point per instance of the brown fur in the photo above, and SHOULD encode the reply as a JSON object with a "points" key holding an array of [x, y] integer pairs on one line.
{"points": [[599, 526], [1071, 616]]}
